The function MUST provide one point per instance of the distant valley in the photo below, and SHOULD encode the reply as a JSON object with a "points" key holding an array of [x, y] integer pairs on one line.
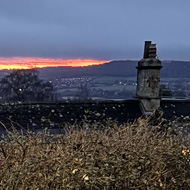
{"points": [[113, 80]]}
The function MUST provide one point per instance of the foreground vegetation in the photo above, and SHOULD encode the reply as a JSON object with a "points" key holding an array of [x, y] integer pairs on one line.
{"points": [[135, 156]]}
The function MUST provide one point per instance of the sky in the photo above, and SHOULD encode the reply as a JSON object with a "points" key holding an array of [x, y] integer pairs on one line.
{"points": [[62, 31]]}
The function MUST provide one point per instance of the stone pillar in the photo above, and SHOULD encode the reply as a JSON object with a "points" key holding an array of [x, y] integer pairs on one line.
{"points": [[148, 79]]}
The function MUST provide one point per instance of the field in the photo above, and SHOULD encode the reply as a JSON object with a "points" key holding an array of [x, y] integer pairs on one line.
{"points": [[145, 154], [113, 87], [100, 87]]}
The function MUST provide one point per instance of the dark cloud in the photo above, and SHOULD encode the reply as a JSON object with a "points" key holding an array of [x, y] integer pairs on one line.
{"points": [[101, 29]]}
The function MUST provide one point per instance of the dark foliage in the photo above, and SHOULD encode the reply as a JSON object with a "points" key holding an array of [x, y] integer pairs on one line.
{"points": [[25, 85]]}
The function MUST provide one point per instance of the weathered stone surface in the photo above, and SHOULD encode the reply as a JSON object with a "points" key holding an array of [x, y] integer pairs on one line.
{"points": [[148, 79]]}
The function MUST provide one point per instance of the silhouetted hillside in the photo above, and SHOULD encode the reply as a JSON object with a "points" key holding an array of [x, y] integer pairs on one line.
{"points": [[171, 69], [126, 68], [113, 68], [175, 69]]}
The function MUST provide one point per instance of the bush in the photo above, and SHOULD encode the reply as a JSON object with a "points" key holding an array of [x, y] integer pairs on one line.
{"points": [[134, 156]]}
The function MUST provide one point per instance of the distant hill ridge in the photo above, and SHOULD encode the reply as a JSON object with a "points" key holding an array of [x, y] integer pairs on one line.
{"points": [[127, 68], [122, 68]]}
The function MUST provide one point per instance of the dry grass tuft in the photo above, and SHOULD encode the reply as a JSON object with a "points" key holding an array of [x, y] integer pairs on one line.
{"points": [[135, 156]]}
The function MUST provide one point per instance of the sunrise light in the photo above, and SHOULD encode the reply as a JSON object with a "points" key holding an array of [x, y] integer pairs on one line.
{"points": [[29, 63]]}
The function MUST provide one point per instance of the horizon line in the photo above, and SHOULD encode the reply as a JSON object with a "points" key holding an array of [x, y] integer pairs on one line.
{"points": [[14, 63]]}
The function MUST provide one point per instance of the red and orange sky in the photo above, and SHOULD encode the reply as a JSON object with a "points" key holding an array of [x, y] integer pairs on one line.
{"points": [[30, 62], [102, 30]]}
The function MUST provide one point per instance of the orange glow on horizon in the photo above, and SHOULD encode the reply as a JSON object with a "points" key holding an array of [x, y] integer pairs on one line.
{"points": [[30, 63]]}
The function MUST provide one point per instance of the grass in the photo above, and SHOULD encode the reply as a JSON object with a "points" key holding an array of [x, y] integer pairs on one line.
{"points": [[139, 155]]}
